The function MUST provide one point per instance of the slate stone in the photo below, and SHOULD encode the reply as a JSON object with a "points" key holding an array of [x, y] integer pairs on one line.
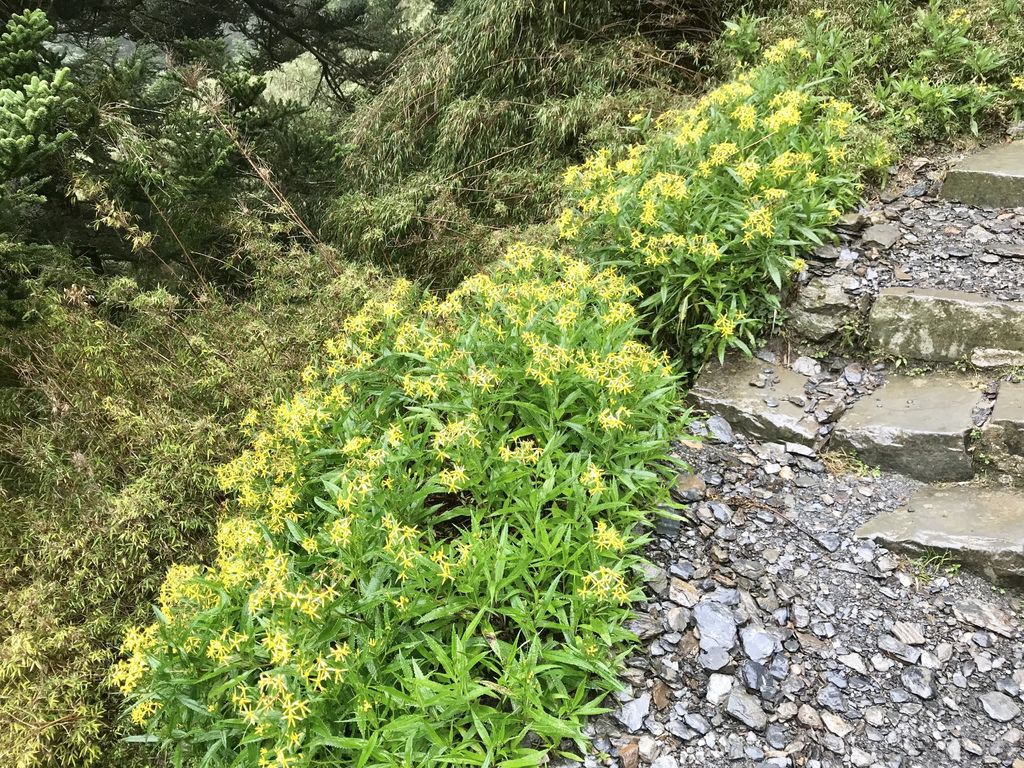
{"points": [[993, 177], [717, 627], [985, 615], [632, 713], [883, 236], [918, 681], [764, 413], [983, 528], [999, 706], [720, 429], [746, 709], [939, 325], [758, 644], [915, 425]]}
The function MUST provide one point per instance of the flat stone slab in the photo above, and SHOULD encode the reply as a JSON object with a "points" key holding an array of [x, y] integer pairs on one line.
{"points": [[759, 399], [982, 528], [946, 326], [992, 178], [915, 425], [1002, 438]]}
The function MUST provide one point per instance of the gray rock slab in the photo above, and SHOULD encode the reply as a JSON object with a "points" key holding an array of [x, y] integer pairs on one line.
{"points": [[992, 178], [983, 528], [915, 425], [1002, 438], [765, 413], [822, 308], [946, 326]]}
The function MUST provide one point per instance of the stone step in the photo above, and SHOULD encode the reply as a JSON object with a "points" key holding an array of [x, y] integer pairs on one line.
{"points": [[937, 325], [981, 528], [918, 426], [762, 400], [992, 178], [1002, 439]]}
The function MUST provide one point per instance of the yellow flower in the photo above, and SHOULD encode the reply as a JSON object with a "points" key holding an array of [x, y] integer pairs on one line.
{"points": [[758, 222], [748, 170], [723, 152], [1017, 83], [725, 325], [607, 537], [604, 584], [818, 13], [593, 479], [143, 711], [453, 479], [611, 420], [745, 116]]}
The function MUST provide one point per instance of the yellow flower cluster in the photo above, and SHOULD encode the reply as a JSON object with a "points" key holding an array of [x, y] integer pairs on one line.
{"points": [[524, 451], [592, 479], [612, 420], [784, 49], [759, 222], [604, 584], [607, 537]]}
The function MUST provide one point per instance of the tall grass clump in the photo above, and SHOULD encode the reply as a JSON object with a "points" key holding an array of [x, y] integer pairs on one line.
{"points": [[428, 552]]}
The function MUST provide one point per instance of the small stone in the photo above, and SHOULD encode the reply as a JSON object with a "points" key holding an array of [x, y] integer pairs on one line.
{"points": [[758, 644], [883, 236], [908, 633], [894, 647], [717, 627], [661, 694], [690, 487], [697, 722], [746, 709], [875, 716], [629, 755], [860, 758], [683, 593], [836, 724], [854, 662], [656, 579], [665, 761], [999, 706], [632, 713], [809, 717], [983, 615], [807, 366], [720, 429], [918, 681], [719, 687]]}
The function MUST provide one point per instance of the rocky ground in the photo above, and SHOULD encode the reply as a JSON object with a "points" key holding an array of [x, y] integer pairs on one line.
{"points": [[775, 638]]}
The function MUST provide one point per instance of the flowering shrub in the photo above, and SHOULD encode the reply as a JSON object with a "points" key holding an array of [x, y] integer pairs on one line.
{"points": [[430, 551], [709, 215]]}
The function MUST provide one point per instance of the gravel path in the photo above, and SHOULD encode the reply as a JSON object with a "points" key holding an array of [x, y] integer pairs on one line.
{"points": [[774, 638], [909, 237]]}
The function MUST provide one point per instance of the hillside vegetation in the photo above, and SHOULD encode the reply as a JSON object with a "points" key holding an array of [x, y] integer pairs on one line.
{"points": [[331, 426]]}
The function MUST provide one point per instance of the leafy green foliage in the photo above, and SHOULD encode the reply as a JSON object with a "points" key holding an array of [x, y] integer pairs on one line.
{"points": [[923, 73], [429, 557], [710, 213]]}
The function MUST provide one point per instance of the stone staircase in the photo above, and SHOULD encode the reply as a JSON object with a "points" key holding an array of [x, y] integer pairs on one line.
{"points": [[957, 426]]}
